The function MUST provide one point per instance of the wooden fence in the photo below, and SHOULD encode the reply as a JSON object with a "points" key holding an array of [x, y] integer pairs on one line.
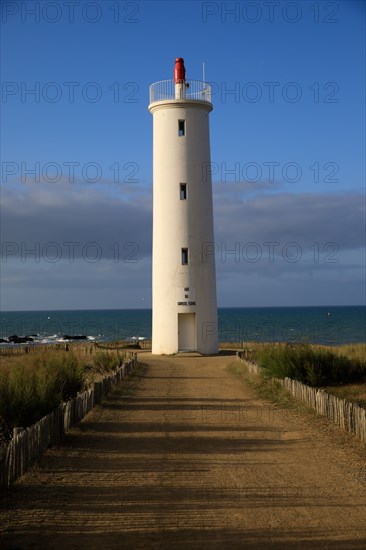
{"points": [[85, 348], [349, 416], [28, 445]]}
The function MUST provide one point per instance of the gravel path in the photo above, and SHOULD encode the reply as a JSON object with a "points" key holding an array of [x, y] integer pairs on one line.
{"points": [[192, 459]]}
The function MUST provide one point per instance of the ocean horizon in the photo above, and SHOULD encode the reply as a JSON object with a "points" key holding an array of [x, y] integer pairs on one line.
{"points": [[327, 325]]}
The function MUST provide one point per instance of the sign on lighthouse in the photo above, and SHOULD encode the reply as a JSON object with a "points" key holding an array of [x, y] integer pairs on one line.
{"points": [[183, 278]]}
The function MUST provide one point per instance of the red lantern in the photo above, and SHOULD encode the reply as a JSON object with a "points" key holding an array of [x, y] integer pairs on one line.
{"points": [[179, 71]]}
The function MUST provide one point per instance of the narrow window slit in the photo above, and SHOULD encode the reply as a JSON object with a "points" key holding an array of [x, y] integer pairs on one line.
{"points": [[181, 128], [184, 256], [183, 191]]}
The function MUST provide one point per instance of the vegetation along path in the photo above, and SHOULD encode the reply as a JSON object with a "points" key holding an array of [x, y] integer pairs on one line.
{"points": [[191, 458]]}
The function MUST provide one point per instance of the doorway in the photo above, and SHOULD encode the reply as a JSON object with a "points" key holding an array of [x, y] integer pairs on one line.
{"points": [[187, 332]]}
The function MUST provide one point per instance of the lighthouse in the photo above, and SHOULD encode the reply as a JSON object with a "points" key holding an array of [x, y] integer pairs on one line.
{"points": [[183, 273]]}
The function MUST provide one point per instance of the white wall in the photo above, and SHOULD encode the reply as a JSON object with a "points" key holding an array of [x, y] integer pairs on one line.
{"points": [[181, 224]]}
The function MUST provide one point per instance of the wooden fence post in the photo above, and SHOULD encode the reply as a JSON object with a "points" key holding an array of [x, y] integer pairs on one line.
{"points": [[27, 445], [347, 415]]}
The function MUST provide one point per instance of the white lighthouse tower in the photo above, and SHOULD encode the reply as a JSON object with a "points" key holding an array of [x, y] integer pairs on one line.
{"points": [[184, 281]]}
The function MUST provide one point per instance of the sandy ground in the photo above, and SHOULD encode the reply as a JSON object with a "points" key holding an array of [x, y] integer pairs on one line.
{"points": [[192, 459]]}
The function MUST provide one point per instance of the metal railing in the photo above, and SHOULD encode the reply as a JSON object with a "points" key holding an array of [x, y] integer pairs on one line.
{"points": [[195, 90]]}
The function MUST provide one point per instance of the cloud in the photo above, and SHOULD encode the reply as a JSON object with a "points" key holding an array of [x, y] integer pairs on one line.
{"points": [[76, 285], [304, 218], [116, 218], [87, 246]]}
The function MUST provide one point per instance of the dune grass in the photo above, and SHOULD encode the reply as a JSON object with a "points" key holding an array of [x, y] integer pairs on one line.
{"points": [[312, 365], [352, 351], [31, 387]]}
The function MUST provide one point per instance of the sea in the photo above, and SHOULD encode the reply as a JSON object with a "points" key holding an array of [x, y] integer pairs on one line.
{"points": [[328, 325]]}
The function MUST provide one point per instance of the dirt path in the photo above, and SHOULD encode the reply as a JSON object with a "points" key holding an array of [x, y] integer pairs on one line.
{"points": [[191, 460]]}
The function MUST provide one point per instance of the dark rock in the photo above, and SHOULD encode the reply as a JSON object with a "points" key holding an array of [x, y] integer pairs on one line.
{"points": [[20, 339]]}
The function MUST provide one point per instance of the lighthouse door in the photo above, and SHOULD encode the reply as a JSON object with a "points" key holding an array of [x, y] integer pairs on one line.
{"points": [[187, 332]]}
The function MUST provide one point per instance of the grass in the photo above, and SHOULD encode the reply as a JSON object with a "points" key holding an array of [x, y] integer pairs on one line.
{"points": [[314, 366], [352, 351], [339, 370], [32, 386], [265, 387], [105, 361], [356, 393]]}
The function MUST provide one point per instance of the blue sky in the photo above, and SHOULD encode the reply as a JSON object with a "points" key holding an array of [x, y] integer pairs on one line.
{"points": [[287, 147]]}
